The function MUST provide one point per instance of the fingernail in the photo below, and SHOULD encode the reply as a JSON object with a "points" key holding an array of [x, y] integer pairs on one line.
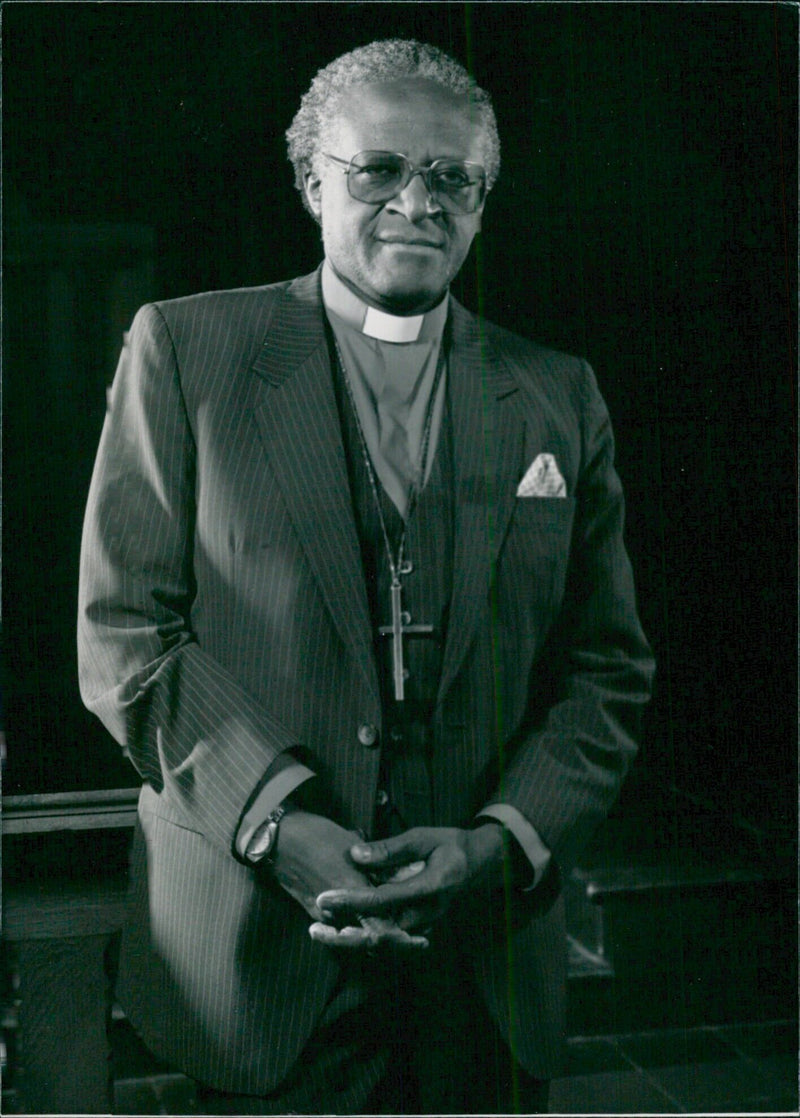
{"points": [[362, 852]]}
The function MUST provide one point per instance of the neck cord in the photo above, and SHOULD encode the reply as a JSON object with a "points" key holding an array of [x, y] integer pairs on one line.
{"points": [[397, 566]]}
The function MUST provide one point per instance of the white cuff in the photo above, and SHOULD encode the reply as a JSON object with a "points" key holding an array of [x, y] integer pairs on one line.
{"points": [[534, 849]]}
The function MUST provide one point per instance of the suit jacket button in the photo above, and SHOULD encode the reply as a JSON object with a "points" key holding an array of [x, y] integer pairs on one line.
{"points": [[367, 734]]}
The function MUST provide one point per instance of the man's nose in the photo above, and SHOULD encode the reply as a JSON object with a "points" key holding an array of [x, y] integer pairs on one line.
{"points": [[414, 201]]}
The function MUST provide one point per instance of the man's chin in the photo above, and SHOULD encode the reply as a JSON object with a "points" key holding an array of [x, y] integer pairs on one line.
{"points": [[408, 297]]}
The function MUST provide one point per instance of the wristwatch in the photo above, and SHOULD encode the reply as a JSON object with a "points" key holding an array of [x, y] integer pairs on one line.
{"points": [[265, 837]]}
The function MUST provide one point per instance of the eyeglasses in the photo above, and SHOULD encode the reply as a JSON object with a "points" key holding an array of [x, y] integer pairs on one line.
{"points": [[458, 187]]}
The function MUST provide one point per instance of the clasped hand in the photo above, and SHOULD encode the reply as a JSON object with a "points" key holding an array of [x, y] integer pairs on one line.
{"points": [[363, 896]]}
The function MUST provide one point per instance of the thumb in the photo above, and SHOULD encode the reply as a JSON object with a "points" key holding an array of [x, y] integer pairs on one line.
{"points": [[399, 850]]}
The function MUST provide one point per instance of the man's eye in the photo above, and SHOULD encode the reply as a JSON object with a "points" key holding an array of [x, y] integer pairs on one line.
{"points": [[453, 178], [377, 171]]}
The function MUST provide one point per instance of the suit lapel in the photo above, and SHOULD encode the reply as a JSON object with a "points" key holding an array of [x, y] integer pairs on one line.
{"points": [[487, 443], [299, 422]]}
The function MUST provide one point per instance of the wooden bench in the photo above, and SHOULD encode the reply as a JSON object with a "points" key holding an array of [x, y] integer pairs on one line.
{"points": [[59, 917]]}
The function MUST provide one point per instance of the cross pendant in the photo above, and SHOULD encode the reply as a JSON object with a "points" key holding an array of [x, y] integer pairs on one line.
{"points": [[399, 628]]}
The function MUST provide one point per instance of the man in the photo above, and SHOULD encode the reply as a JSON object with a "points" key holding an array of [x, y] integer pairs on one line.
{"points": [[355, 601]]}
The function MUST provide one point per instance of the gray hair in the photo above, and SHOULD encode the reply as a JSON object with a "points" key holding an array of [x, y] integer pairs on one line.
{"points": [[380, 61]]}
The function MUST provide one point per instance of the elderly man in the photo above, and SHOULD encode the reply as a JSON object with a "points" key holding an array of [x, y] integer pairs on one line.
{"points": [[355, 601]]}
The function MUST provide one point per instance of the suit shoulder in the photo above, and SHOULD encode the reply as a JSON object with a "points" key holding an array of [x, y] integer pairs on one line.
{"points": [[539, 370], [531, 354], [208, 339], [228, 326], [216, 304]]}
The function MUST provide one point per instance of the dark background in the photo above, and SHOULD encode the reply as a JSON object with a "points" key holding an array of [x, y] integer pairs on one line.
{"points": [[644, 218]]}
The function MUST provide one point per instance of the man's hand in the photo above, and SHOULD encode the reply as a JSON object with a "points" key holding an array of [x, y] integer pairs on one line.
{"points": [[418, 875], [312, 856]]}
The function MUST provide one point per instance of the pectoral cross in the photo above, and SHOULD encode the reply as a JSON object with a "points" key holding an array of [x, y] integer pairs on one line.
{"points": [[400, 627]]}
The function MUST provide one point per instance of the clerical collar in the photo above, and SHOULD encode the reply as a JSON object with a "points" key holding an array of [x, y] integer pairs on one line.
{"points": [[343, 302]]}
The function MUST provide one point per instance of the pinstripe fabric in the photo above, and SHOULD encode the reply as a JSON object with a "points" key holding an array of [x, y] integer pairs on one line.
{"points": [[223, 618]]}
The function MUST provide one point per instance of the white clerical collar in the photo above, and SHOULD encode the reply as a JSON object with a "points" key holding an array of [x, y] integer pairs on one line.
{"points": [[343, 302]]}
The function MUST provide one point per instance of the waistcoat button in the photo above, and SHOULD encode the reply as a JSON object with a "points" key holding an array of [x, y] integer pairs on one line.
{"points": [[367, 734]]}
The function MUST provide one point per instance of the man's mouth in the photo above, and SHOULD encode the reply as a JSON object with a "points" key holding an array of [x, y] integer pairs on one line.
{"points": [[409, 242]]}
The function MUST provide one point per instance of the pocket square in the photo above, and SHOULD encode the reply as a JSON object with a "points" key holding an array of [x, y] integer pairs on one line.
{"points": [[543, 479]]}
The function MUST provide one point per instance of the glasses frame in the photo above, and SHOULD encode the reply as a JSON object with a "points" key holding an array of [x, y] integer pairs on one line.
{"points": [[425, 171]]}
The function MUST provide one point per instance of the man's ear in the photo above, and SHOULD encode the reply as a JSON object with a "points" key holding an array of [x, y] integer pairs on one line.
{"points": [[312, 188]]}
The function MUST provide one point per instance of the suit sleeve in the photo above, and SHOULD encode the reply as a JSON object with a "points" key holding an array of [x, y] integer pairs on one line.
{"points": [[190, 729], [594, 675]]}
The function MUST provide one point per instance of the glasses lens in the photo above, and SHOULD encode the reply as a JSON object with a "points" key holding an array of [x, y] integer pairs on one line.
{"points": [[376, 176], [458, 187]]}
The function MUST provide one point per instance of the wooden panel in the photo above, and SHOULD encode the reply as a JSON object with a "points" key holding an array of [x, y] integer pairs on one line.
{"points": [[69, 811], [51, 910]]}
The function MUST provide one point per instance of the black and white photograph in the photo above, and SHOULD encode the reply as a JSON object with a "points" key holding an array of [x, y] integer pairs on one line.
{"points": [[399, 558]]}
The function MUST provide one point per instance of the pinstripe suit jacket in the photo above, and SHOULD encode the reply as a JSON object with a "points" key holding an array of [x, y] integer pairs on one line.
{"points": [[223, 619]]}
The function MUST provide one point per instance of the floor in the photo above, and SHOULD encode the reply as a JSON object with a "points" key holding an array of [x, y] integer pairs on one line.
{"points": [[737, 1069], [732, 1069]]}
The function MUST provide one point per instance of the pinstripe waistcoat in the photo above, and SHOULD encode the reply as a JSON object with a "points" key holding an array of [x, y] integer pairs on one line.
{"points": [[223, 619]]}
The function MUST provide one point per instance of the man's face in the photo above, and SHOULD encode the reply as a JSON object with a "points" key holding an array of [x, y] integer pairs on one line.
{"points": [[402, 254]]}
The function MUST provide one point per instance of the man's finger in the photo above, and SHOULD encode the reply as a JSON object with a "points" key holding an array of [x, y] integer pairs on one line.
{"points": [[380, 853], [412, 845], [389, 932], [353, 900], [402, 873], [382, 898], [349, 937], [366, 938]]}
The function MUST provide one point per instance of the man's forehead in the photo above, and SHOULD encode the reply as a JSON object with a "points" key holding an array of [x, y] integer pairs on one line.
{"points": [[403, 103], [389, 92]]}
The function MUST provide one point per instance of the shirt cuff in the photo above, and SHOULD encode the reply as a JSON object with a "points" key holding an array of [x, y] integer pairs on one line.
{"points": [[532, 846], [274, 792]]}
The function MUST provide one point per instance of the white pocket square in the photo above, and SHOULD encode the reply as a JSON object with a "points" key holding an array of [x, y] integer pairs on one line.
{"points": [[543, 479]]}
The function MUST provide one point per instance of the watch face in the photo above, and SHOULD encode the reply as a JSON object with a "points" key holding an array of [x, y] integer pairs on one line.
{"points": [[265, 836], [263, 841]]}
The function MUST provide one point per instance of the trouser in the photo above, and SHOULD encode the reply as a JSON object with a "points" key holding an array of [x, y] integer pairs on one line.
{"points": [[399, 1037]]}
